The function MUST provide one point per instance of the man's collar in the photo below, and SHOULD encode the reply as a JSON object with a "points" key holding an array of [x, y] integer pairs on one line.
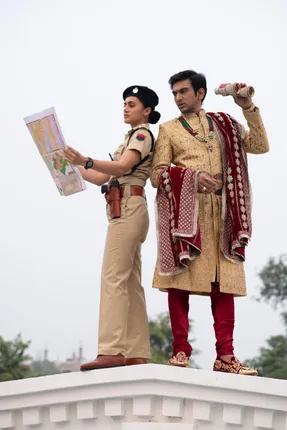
{"points": [[192, 115]]}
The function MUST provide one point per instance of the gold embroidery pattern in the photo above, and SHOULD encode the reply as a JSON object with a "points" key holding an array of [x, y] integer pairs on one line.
{"points": [[179, 360], [234, 367], [255, 140]]}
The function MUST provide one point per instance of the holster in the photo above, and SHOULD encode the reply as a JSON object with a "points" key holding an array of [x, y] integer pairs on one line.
{"points": [[113, 197]]}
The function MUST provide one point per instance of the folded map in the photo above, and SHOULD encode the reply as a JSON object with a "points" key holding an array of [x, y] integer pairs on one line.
{"points": [[46, 132]]}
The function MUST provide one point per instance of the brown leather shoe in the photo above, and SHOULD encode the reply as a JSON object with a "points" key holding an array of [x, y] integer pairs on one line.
{"points": [[104, 361], [133, 361]]}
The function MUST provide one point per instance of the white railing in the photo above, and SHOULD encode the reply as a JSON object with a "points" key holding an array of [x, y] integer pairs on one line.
{"points": [[146, 397]]}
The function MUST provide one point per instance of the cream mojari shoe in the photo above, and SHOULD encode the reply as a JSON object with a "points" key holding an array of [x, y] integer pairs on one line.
{"points": [[179, 360], [233, 367]]}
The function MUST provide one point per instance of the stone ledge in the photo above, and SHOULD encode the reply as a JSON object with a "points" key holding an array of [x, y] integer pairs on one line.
{"points": [[146, 397]]}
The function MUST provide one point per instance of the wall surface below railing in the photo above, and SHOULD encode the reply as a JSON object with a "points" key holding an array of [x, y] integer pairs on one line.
{"points": [[145, 397]]}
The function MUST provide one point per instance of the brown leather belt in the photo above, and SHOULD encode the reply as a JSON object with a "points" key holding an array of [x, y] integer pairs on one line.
{"points": [[134, 191]]}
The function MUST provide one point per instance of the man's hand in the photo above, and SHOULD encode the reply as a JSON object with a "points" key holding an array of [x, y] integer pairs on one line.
{"points": [[243, 102], [74, 157], [206, 184]]}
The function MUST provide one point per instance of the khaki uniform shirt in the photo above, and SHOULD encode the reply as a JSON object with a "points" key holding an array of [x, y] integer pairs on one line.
{"points": [[176, 146], [140, 141]]}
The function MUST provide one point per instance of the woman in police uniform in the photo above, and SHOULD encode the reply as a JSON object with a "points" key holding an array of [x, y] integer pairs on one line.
{"points": [[123, 325]]}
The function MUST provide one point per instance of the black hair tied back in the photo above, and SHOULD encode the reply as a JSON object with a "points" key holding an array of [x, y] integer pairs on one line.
{"points": [[154, 117], [148, 98]]}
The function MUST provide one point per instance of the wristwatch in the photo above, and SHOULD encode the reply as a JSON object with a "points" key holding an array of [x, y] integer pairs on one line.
{"points": [[89, 164]]}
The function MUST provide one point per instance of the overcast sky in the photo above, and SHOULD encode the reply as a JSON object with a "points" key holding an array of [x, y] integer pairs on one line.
{"points": [[79, 56]]}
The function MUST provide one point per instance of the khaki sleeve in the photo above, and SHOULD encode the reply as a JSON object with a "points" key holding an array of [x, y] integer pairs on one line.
{"points": [[162, 157], [141, 142], [255, 140]]}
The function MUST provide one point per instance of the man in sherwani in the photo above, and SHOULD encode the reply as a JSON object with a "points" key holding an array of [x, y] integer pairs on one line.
{"points": [[204, 212]]}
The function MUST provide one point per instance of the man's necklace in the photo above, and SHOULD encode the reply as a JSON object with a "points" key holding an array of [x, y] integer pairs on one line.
{"points": [[205, 139]]}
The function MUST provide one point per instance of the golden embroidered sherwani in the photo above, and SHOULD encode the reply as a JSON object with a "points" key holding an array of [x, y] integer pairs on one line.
{"points": [[176, 146]]}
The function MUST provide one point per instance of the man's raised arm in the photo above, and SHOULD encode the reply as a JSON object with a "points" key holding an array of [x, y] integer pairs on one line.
{"points": [[255, 140]]}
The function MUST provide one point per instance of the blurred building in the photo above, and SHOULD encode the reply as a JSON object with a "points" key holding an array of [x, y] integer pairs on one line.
{"points": [[72, 364]]}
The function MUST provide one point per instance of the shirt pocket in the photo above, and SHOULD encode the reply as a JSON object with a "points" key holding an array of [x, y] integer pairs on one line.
{"points": [[118, 153]]}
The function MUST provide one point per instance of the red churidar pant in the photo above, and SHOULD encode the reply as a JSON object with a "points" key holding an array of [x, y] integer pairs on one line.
{"points": [[222, 306]]}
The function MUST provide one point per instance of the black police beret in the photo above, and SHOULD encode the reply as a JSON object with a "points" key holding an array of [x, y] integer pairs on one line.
{"points": [[145, 94]]}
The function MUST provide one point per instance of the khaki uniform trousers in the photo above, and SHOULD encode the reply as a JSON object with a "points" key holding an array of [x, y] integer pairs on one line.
{"points": [[123, 323]]}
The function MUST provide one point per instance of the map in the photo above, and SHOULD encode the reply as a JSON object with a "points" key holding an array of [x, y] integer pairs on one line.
{"points": [[46, 132]]}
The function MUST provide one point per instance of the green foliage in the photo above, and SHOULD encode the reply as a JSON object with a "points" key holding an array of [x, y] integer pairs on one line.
{"points": [[274, 281], [272, 360], [161, 339], [14, 359]]}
